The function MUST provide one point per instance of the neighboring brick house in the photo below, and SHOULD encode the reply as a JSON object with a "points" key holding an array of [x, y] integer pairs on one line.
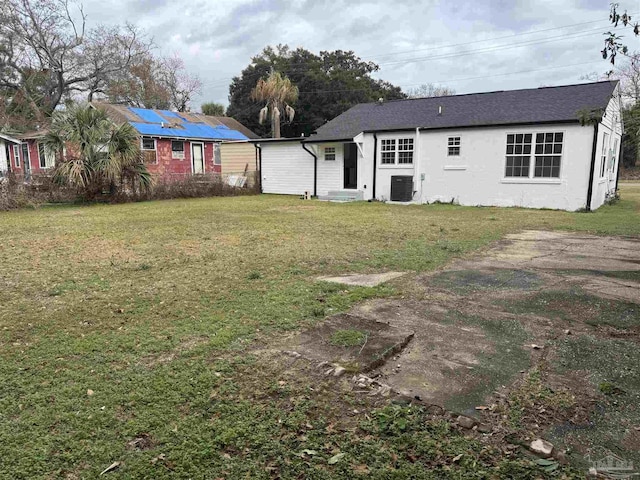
{"points": [[176, 144]]}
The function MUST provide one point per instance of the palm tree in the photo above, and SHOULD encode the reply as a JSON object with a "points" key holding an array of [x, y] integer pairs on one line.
{"points": [[95, 153], [279, 93]]}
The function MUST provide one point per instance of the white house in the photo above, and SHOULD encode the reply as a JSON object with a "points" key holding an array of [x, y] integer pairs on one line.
{"points": [[551, 147], [6, 153]]}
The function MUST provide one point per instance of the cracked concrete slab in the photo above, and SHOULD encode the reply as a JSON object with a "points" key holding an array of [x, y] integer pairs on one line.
{"points": [[363, 280]]}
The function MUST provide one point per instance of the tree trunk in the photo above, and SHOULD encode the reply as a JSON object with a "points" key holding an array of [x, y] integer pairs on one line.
{"points": [[275, 121]]}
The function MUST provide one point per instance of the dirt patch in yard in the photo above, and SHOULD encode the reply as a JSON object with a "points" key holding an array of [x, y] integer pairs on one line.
{"points": [[356, 343], [536, 336]]}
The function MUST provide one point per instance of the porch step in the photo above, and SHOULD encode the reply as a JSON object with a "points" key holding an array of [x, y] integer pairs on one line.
{"points": [[343, 196]]}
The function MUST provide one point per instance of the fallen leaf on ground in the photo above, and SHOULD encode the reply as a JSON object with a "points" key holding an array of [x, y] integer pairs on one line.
{"points": [[336, 458], [110, 468]]}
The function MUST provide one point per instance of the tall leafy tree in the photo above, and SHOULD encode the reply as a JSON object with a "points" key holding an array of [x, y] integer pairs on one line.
{"points": [[329, 83], [47, 54], [213, 108], [93, 153]]}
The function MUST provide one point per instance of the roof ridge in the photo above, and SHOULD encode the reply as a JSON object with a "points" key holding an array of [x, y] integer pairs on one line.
{"points": [[491, 92]]}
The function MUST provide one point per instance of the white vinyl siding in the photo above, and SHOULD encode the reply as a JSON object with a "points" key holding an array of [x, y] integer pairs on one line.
{"points": [[286, 169]]}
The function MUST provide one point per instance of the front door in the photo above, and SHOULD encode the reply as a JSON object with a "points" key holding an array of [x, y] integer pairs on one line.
{"points": [[350, 166], [197, 158]]}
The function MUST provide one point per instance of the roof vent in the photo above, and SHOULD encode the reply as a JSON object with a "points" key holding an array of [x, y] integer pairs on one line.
{"points": [[380, 101], [440, 110]]}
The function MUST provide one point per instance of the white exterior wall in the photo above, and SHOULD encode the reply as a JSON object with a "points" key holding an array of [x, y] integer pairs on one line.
{"points": [[286, 168], [4, 161], [604, 186], [477, 176]]}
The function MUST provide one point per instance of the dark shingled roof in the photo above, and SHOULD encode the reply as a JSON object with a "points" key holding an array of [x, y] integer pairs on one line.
{"points": [[538, 105]]}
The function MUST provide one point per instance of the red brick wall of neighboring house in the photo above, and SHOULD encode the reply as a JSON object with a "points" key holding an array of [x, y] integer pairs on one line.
{"points": [[165, 164]]}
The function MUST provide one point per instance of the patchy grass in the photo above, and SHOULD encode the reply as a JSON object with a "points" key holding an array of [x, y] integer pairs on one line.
{"points": [[612, 366], [578, 306], [347, 338], [152, 306]]}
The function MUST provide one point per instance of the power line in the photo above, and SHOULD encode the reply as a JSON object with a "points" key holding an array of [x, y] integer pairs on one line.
{"points": [[481, 50], [467, 78]]}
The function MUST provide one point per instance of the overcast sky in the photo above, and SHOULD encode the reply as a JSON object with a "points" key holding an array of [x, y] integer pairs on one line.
{"points": [[468, 45]]}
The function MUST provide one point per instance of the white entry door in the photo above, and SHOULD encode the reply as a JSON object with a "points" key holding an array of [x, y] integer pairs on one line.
{"points": [[197, 158]]}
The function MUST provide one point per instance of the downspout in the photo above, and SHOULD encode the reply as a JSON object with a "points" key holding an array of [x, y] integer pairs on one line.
{"points": [[315, 168], [620, 160], [259, 156], [416, 166], [593, 166], [375, 156]]}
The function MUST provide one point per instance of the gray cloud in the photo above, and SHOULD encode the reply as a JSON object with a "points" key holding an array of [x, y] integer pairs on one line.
{"points": [[217, 39]]}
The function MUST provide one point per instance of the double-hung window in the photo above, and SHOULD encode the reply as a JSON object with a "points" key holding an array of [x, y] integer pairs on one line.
{"points": [[405, 151], [16, 156], [396, 151], [603, 153], [46, 159], [149, 150], [454, 147], [177, 149], [388, 151], [518, 155], [614, 154], [547, 156], [329, 153]]}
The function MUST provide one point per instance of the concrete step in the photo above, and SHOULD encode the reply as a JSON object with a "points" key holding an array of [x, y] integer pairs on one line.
{"points": [[343, 196]]}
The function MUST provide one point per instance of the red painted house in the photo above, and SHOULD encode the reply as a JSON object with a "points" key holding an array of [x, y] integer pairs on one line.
{"points": [[176, 144], [26, 156]]}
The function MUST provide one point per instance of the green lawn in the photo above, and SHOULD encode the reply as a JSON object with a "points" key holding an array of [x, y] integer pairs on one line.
{"points": [[154, 308]]}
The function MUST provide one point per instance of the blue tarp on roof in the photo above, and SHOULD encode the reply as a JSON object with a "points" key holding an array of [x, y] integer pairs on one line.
{"points": [[147, 115], [169, 113], [189, 130]]}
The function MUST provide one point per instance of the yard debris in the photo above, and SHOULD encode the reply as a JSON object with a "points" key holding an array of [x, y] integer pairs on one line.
{"points": [[89, 392], [293, 354], [457, 458], [484, 428], [111, 467], [336, 458], [339, 371], [536, 347], [466, 422], [541, 447]]}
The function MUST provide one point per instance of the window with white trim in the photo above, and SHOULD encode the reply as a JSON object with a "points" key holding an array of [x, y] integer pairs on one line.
{"points": [[518, 155], [148, 143], [46, 159], [388, 151], [405, 151], [614, 154], [329, 153], [149, 150], [396, 151], [454, 146], [16, 156], [548, 155], [177, 149], [603, 153]]}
